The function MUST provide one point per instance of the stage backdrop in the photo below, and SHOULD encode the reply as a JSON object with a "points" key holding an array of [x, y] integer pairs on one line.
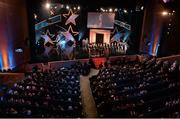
{"points": [[61, 28]]}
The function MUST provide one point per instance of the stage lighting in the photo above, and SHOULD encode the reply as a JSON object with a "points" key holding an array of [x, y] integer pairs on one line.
{"points": [[166, 1], [102, 10], [48, 5], [35, 16], [67, 7], [79, 7], [74, 8], [62, 6], [164, 13], [125, 11], [116, 10], [110, 9], [170, 14], [142, 7]]}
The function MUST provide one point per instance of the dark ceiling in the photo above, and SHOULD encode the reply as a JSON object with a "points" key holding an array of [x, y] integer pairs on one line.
{"points": [[96, 3]]}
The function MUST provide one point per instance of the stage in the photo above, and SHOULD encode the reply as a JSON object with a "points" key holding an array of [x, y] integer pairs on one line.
{"points": [[97, 61]]}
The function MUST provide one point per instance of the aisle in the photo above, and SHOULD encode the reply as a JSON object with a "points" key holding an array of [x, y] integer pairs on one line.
{"points": [[86, 94]]}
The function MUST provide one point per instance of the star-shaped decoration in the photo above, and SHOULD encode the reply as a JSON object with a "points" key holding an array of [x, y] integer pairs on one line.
{"points": [[68, 14], [115, 30], [72, 31], [49, 34], [72, 17]]}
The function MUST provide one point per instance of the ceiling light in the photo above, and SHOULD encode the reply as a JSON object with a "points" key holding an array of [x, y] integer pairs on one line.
{"points": [[67, 7], [48, 5], [164, 13], [125, 11], [110, 9]]}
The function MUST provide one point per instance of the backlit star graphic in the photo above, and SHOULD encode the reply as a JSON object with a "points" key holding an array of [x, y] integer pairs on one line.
{"points": [[49, 34], [71, 31], [115, 30], [68, 14], [47, 37], [72, 17]]}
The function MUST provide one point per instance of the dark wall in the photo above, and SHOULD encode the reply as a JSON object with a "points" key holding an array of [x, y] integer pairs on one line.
{"points": [[152, 28], [13, 33], [156, 38], [170, 43]]}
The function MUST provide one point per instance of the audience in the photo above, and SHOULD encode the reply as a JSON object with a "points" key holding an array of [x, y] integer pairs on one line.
{"points": [[130, 89], [45, 94], [146, 89]]}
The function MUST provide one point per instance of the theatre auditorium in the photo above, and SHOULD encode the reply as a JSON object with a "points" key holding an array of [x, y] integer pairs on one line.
{"points": [[89, 59]]}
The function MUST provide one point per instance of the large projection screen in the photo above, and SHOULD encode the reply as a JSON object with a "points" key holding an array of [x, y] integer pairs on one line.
{"points": [[101, 20]]}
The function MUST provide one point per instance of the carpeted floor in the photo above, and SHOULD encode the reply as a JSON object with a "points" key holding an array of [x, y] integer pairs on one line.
{"points": [[86, 94]]}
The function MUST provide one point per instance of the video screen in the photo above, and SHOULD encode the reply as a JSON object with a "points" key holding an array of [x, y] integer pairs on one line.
{"points": [[101, 20]]}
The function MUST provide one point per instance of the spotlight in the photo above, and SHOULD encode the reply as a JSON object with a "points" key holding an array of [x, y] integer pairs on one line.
{"points": [[173, 11], [110, 9], [67, 7], [48, 5], [142, 7], [62, 6], [164, 13], [74, 8], [102, 10], [116, 10], [125, 11], [35, 16], [79, 7], [166, 1]]}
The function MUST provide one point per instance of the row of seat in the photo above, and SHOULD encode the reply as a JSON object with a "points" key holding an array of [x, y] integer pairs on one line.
{"points": [[51, 94], [148, 89]]}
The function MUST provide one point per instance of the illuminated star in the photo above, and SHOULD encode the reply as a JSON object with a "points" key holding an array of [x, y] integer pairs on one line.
{"points": [[68, 14], [48, 33], [71, 19], [115, 30], [71, 31], [47, 37]]}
